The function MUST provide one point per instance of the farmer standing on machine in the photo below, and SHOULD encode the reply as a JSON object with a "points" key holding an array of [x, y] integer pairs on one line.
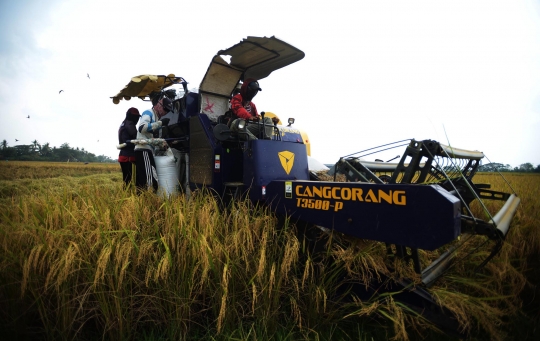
{"points": [[150, 126]]}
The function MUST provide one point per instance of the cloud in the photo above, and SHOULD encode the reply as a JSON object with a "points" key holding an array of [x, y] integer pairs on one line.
{"points": [[20, 23], [374, 72]]}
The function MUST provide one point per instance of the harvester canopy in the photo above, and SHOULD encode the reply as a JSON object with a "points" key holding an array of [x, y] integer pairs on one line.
{"points": [[253, 57], [144, 85]]}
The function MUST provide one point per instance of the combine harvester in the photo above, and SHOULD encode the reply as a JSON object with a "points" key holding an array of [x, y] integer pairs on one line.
{"points": [[421, 202]]}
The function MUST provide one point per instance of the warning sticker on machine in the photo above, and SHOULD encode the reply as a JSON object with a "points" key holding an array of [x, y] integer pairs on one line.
{"points": [[288, 189]]}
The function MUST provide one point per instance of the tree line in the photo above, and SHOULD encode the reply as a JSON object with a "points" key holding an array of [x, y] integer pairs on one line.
{"points": [[499, 167], [44, 152]]}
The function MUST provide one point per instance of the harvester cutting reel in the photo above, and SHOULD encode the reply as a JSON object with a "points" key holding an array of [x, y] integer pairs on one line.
{"points": [[428, 163]]}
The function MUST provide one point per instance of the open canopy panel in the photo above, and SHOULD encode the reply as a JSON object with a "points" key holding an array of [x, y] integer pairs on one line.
{"points": [[143, 85], [253, 57], [260, 56]]}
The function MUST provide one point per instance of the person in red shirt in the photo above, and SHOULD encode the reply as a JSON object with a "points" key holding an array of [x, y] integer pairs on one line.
{"points": [[243, 108]]}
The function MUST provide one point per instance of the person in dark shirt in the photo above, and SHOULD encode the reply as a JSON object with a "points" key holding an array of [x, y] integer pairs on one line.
{"points": [[128, 131]]}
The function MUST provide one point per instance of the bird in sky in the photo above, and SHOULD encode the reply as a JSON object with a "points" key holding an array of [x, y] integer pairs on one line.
{"points": [[28, 116], [16, 140], [87, 75], [60, 91]]}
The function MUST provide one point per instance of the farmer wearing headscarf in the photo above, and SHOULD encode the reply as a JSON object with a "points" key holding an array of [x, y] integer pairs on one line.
{"points": [[128, 131]]}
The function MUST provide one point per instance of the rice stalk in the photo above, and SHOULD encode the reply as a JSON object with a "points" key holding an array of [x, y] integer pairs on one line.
{"points": [[223, 307], [289, 258], [101, 264]]}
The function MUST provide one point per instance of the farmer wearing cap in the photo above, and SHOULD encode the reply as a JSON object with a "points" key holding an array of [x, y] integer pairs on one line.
{"points": [[243, 108], [150, 126], [128, 131]]}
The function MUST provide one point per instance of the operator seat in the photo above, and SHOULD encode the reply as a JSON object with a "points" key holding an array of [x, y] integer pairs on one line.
{"points": [[226, 118]]}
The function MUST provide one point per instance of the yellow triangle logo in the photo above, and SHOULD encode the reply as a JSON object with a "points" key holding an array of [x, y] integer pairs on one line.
{"points": [[287, 160]]}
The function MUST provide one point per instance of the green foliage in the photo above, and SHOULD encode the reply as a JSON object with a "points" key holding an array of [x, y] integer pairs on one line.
{"points": [[526, 167], [495, 167], [38, 152], [499, 167]]}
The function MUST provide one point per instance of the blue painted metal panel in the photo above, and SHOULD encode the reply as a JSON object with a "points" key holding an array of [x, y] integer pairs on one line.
{"points": [[192, 104], [426, 217], [266, 160]]}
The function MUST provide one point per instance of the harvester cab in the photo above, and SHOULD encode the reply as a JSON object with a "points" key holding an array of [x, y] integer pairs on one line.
{"points": [[212, 155], [426, 200]]}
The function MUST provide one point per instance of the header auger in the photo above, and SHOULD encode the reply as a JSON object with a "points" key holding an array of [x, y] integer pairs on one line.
{"points": [[426, 201]]}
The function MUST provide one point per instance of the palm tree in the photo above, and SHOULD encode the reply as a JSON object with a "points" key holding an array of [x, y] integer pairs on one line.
{"points": [[35, 144], [45, 149]]}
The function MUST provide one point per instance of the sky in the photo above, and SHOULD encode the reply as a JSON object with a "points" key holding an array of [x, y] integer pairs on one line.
{"points": [[464, 73]]}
